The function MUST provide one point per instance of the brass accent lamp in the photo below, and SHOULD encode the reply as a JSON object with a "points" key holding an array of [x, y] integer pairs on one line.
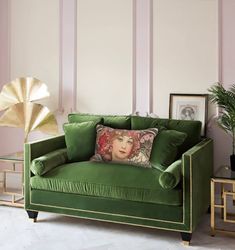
{"points": [[17, 97]]}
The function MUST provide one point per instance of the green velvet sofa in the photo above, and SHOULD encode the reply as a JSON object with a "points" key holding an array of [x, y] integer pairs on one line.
{"points": [[121, 193]]}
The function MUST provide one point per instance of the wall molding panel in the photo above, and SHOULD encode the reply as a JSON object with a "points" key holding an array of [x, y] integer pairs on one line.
{"points": [[220, 40], [105, 56], [5, 18], [35, 44], [134, 57], [68, 56], [185, 49], [227, 41], [143, 89]]}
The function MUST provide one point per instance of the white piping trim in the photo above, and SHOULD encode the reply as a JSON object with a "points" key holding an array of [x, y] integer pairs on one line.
{"points": [[135, 217], [120, 222], [105, 213]]}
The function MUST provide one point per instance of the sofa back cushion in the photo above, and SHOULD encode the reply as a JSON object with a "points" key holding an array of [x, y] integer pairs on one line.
{"points": [[80, 140], [165, 148], [191, 128], [113, 121]]}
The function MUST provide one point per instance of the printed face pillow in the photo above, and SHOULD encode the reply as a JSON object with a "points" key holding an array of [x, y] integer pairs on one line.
{"points": [[124, 146]]}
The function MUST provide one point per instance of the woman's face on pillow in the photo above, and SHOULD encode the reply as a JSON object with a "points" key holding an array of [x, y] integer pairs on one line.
{"points": [[121, 147], [132, 147]]}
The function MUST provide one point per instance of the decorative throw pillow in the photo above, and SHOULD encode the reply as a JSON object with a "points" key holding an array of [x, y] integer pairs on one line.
{"points": [[80, 140], [124, 146], [165, 148]]}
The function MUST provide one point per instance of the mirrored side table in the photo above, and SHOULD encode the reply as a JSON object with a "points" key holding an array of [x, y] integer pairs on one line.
{"points": [[224, 179], [11, 196]]}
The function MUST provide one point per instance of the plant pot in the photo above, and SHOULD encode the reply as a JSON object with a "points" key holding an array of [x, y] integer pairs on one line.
{"points": [[232, 162]]}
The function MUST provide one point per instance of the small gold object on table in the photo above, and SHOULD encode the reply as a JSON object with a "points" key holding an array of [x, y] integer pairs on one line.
{"points": [[12, 196], [224, 178]]}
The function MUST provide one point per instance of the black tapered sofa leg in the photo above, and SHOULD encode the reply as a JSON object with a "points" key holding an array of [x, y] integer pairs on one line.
{"points": [[32, 215], [186, 237]]}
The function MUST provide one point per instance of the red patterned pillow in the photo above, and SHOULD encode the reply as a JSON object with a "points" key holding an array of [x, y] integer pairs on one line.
{"points": [[124, 146]]}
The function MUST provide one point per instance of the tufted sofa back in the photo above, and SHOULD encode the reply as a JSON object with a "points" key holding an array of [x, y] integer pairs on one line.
{"points": [[191, 128]]}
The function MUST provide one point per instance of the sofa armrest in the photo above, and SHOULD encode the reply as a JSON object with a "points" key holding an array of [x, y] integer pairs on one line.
{"points": [[34, 150], [47, 162], [170, 177], [41, 147], [197, 171]]}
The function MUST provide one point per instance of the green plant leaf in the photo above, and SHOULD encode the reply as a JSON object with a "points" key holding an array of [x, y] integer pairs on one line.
{"points": [[225, 99]]}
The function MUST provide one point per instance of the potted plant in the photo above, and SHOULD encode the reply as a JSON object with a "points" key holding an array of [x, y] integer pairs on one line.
{"points": [[225, 99]]}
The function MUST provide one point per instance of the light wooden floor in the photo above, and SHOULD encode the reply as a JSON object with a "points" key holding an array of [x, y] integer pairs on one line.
{"points": [[55, 232]]}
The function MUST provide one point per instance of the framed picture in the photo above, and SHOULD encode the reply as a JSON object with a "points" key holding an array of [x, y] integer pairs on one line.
{"points": [[189, 107]]}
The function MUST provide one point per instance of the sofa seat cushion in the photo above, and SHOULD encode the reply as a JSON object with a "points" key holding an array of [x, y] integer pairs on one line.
{"points": [[115, 181]]}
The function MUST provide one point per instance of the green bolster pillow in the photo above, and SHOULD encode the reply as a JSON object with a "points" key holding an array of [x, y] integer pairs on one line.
{"points": [[170, 177], [45, 163]]}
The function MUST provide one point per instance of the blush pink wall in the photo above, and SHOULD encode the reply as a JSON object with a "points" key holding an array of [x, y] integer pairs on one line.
{"points": [[223, 141], [228, 42], [68, 54], [11, 139], [4, 42], [143, 56]]}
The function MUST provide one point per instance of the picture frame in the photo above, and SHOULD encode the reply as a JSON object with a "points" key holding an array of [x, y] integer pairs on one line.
{"points": [[189, 107]]}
